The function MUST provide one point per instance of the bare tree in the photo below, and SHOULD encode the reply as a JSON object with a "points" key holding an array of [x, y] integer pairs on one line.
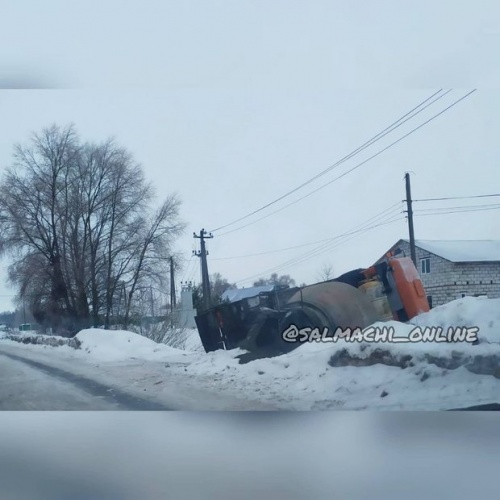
{"points": [[152, 247], [326, 272], [33, 216], [218, 285], [283, 280], [77, 220]]}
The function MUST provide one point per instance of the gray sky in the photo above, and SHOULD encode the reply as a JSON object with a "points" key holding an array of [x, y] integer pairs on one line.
{"points": [[232, 104]]}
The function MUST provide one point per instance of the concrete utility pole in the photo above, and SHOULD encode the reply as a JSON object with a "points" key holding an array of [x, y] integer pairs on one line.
{"points": [[410, 220], [172, 285], [152, 301], [172, 291], [202, 253]]}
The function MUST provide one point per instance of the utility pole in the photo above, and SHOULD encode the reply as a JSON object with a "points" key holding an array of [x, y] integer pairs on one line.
{"points": [[410, 220], [202, 253], [172, 292], [172, 285]]}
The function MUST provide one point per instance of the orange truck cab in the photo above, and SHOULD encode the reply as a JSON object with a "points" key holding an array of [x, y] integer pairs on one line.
{"points": [[409, 288]]}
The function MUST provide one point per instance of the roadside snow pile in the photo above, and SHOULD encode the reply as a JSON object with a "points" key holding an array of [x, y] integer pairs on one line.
{"points": [[119, 345], [483, 358], [466, 312], [363, 375], [304, 380]]}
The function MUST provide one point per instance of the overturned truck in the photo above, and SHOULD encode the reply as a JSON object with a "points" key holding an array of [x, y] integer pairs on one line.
{"points": [[389, 290]]}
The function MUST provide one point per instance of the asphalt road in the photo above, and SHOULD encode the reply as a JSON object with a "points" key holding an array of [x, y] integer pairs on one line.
{"points": [[30, 385]]}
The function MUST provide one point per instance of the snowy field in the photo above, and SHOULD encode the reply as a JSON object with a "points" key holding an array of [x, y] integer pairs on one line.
{"points": [[416, 376]]}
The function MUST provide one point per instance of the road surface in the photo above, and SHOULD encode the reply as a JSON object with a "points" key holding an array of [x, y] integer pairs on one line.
{"points": [[44, 379], [30, 385]]}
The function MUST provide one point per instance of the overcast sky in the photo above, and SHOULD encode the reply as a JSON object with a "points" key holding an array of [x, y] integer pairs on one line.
{"points": [[233, 104]]}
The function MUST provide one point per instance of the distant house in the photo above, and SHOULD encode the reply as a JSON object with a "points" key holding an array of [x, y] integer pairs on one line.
{"points": [[451, 269]]}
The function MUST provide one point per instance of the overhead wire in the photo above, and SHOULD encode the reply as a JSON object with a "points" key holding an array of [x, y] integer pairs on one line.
{"points": [[365, 145], [306, 257], [380, 219], [356, 166], [458, 197], [460, 207], [185, 273], [496, 207], [304, 244]]}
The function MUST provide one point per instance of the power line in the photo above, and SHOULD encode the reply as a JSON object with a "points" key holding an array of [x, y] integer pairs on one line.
{"points": [[368, 143], [458, 197], [296, 246], [193, 272], [359, 164], [380, 216], [279, 250], [308, 256], [459, 211], [458, 207], [337, 241], [326, 246], [187, 268]]}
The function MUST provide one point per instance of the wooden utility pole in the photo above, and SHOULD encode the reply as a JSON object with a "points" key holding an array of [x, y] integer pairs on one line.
{"points": [[202, 253], [410, 220]]}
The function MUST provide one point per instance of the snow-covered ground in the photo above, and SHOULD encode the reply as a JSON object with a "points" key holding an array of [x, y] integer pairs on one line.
{"points": [[306, 378]]}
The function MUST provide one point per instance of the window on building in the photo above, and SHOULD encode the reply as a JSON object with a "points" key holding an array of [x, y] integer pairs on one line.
{"points": [[461, 295], [425, 265], [429, 299]]}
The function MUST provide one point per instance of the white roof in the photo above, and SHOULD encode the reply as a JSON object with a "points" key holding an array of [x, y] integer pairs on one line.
{"points": [[463, 250], [235, 294]]}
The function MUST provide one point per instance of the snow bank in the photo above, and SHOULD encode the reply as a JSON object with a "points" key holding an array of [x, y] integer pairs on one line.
{"points": [[356, 375], [117, 345], [304, 380], [480, 312]]}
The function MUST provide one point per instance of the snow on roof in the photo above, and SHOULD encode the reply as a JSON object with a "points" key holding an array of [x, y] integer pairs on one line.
{"points": [[235, 294], [462, 250]]}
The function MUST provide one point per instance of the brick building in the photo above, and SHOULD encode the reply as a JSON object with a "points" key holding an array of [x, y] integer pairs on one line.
{"points": [[451, 269]]}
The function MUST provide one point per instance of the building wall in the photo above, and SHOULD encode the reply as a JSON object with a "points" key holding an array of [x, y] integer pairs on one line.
{"points": [[448, 280]]}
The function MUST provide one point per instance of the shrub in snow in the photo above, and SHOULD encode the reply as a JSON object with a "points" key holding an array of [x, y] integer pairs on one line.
{"points": [[186, 339]]}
